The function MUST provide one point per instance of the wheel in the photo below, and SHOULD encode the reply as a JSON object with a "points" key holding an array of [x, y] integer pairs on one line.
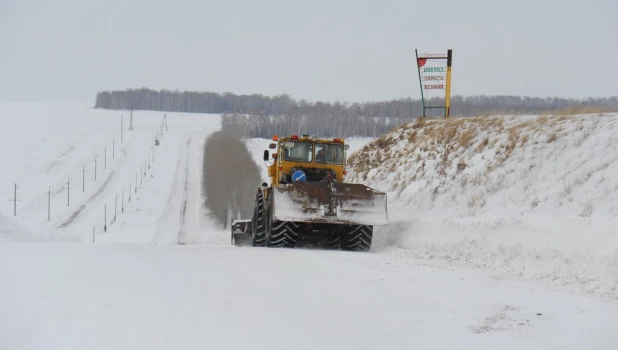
{"points": [[258, 231], [283, 234], [358, 238]]}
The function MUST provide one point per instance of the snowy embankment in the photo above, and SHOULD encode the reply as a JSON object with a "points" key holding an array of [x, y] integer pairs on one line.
{"points": [[535, 196]]}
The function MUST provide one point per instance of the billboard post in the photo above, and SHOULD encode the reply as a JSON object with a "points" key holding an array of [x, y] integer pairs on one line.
{"points": [[447, 98], [434, 73]]}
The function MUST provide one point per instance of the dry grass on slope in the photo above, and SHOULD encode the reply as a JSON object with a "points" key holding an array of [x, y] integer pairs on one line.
{"points": [[465, 151], [462, 133]]}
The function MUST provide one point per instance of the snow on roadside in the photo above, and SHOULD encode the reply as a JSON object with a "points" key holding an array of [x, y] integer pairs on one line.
{"points": [[535, 196]]}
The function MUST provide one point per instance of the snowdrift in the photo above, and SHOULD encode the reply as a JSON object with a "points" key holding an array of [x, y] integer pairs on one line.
{"points": [[535, 196]]}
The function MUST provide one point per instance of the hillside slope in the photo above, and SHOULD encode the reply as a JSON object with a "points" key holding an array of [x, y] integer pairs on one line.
{"points": [[78, 175], [536, 196]]}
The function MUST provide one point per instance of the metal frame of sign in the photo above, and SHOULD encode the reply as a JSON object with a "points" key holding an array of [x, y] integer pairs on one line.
{"points": [[447, 99]]}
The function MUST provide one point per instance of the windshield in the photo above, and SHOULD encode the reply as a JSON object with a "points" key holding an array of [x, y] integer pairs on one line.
{"points": [[297, 151], [329, 153]]}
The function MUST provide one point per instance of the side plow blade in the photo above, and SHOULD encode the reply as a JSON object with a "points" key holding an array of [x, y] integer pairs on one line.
{"points": [[330, 203], [241, 232]]}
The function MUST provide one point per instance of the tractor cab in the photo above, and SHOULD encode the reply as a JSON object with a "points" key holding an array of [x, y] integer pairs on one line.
{"points": [[305, 158]]}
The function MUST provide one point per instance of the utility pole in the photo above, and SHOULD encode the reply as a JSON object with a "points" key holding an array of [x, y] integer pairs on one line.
{"points": [[131, 120], [15, 200], [141, 172], [49, 203], [135, 182]]}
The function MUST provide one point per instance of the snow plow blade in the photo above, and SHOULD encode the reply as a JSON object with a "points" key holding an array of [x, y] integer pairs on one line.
{"points": [[241, 232], [330, 203]]}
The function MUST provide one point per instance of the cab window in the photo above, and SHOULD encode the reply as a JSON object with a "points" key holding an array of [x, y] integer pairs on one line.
{"points": [[329, 153], [297, 151]]}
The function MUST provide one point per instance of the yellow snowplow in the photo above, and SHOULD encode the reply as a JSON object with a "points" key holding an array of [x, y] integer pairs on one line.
{"points": [[309, 200]]}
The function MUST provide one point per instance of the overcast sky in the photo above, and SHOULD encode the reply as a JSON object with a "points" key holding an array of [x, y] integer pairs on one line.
{"points": [[67, 50]]}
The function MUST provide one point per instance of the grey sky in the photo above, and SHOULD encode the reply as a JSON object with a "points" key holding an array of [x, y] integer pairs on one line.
{"points": [[67, 50]]}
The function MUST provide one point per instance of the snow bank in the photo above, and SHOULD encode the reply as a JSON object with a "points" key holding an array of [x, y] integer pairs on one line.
{"points": [[535, 196]]}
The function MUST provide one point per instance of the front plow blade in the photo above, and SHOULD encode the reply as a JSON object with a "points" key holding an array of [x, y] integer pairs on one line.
{"points": [[330, 203]]}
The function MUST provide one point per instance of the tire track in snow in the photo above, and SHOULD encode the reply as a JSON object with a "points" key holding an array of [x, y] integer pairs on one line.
{"points": [[183, 208], [180, 221], [164, 220], [170, 223], [60, 158], [92, 198]]}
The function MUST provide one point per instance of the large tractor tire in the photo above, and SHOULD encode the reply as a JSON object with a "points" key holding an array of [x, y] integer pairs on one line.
{"points": [[333, 242], [258, 233], [357, 238], [283, 234]]}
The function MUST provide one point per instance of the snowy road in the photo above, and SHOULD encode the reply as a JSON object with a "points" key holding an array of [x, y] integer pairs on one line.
{"points": [[75, 296]]}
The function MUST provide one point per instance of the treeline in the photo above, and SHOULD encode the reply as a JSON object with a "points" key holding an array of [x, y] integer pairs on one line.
{"points": [[320, 124], [230, 178], [192, 102], [261, 116]]}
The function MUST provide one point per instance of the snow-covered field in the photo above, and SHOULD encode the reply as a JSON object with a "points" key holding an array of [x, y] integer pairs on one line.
{"points": [[136, 288], [46, 146]]}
